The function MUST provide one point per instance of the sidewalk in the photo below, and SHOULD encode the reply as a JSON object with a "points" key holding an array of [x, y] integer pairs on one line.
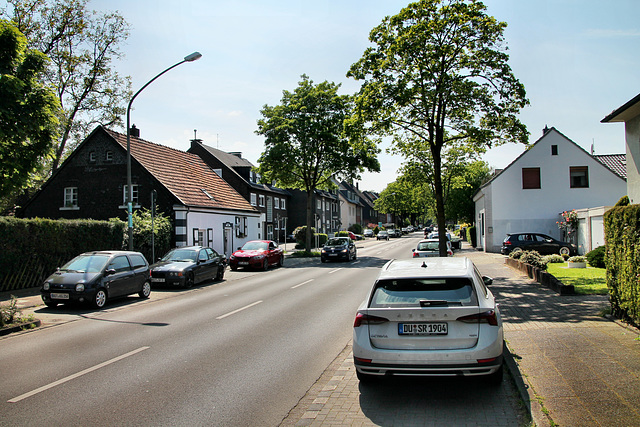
{"points": [[572, 366]]}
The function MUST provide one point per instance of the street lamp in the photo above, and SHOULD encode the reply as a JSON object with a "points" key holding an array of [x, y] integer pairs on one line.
{"points": [[189, 58]]}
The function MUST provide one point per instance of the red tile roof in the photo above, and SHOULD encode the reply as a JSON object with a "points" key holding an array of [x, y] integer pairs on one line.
{"points": [[186, 175]]}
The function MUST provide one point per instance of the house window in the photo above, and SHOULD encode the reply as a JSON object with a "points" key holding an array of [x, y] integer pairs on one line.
{"points": [[319, 204], [71, 197], [109, 156], [282, 204], [554, 150], [261, 200], [579, 176], [92, 157], [253, 199], [530, 178], [276, 203], [125, 194]]}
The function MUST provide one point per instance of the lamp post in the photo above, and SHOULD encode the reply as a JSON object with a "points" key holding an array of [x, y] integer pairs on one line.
{"points": [[189, 58]]}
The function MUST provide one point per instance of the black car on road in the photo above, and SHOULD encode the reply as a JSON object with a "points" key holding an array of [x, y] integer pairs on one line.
{"points": [[95, 277], [338, 248], [543, 244], [188, 265]]}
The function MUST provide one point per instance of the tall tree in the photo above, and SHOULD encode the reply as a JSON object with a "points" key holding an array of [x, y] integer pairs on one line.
{"points": [[438, 73], [307, 143], [28, 110], [82, 46]]}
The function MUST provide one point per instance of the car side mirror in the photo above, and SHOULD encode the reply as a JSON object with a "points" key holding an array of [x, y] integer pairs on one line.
{"points": [[109, 272], [487, 280], [413, 250]]}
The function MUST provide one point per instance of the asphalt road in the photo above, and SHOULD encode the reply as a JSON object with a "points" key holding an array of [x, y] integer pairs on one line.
{"points": [[239, 352]]}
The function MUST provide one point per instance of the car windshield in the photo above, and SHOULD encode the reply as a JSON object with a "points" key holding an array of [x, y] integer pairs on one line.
{"points": [[181, 255], [336, 242], [255, 246], [396, 293], [428, 246], [86, 264]]}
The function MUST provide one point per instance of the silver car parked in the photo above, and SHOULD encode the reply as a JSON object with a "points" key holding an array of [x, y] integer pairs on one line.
{"points": [[429, 317]]}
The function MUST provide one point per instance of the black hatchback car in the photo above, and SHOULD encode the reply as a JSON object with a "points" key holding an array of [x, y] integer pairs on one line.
{"points": [[95, 277], [338, 248], [185, 266], [543, 244]]}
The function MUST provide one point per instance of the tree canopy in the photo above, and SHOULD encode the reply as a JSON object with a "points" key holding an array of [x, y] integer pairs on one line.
{"points": [[28, 110], [437, 76], [307, 144], [82, 46]]}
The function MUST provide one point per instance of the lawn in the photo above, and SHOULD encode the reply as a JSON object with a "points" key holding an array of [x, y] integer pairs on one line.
{"points": [[586, 281]]}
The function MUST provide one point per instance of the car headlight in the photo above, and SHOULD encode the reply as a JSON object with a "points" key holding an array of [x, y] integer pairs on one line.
{"points": [[45, 286], [324, 251], [80, 287], [232, 257], [344, 251]]}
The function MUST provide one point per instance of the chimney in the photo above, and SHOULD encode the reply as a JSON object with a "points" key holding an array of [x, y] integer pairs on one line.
{"points": [[545, 130], [134, 131]]}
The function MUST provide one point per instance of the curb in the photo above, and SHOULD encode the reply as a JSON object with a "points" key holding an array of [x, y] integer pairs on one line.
{"points": [[20, 327]]}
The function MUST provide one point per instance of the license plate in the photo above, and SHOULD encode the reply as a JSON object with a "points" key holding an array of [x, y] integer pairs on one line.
{"points": [[422, 328], [243, 263], [59, 296], [333, 254], [157, 279]]}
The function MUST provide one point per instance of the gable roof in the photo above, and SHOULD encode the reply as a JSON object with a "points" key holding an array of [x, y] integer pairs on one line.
{"points": [[547, 130], [624, 113], [616, 162], [184, 174]]}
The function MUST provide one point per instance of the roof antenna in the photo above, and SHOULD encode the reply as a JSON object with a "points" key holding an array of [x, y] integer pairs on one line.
{"points": [[424, 264], [195, 138]]}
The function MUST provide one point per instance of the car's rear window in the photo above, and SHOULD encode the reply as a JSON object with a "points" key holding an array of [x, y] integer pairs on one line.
{"points": [[428, 246], [450, 291]]}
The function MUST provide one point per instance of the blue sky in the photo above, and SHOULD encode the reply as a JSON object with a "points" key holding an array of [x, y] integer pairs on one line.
{"points": [[578, 60]]}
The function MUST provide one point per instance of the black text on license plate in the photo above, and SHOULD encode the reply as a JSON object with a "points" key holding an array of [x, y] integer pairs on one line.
{"points": [[243, 263], [59, 296], [422, 328]]}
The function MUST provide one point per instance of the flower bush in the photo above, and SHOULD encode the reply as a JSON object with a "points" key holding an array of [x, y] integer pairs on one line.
{"points": [[569, 221], [578, 258], [553, 259], [534, 258]]}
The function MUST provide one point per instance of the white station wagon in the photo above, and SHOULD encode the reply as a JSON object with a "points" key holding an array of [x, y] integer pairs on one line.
{"points": [[429, 317]]}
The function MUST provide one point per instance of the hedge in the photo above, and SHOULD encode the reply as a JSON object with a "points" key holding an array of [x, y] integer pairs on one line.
{"points": [[32, 249], [622, 260]]}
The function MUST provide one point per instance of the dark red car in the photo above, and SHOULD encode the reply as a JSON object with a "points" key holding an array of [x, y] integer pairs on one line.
{"points": [[257, 254]]}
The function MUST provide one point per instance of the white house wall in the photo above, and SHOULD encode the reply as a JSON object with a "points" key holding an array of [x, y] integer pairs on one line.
{"points": [[632, 136], [216, 220], [514, 209]]}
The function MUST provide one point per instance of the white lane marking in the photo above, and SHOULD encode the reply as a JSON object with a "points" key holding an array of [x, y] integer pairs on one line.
{"points": [[300, 284], [71, 377], [238, 310], [337, 269]]}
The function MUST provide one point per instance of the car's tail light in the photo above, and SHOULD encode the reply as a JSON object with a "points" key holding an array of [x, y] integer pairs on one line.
{"points": [[507, 243], [365, 319], [484, 317], [416, 255]]}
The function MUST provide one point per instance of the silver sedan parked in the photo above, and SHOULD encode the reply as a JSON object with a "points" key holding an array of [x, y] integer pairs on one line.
{"points": [[429, 317]]}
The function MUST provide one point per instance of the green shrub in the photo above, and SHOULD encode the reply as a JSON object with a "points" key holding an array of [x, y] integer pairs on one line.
{"points": [[624, 201], [553, 259], [516, 253], [534, 259], [356, 229], [577, 258], [471, 236], [596, 257]]}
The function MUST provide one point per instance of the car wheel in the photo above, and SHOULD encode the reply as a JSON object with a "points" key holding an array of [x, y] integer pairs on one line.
{"points": [[51, 304], [322, 259], [495, 379], [188, 283], [355, 256], [220, 274], [265, 264], [233, 267], [146, 290], [564, 250], [281, 262], [100, 299]]}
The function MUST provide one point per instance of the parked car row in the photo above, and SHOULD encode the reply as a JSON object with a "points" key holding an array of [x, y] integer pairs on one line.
{"points": [[99, 276]]}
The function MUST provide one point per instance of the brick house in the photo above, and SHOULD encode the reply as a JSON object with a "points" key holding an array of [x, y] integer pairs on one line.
{"points": [[91, 183]]}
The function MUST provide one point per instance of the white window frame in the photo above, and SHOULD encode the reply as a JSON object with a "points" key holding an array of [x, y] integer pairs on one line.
{"points": [[276, 203], [261, 200], [70, 200], [134, 198], [283, 204], [254, 199], [109, 156]]}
